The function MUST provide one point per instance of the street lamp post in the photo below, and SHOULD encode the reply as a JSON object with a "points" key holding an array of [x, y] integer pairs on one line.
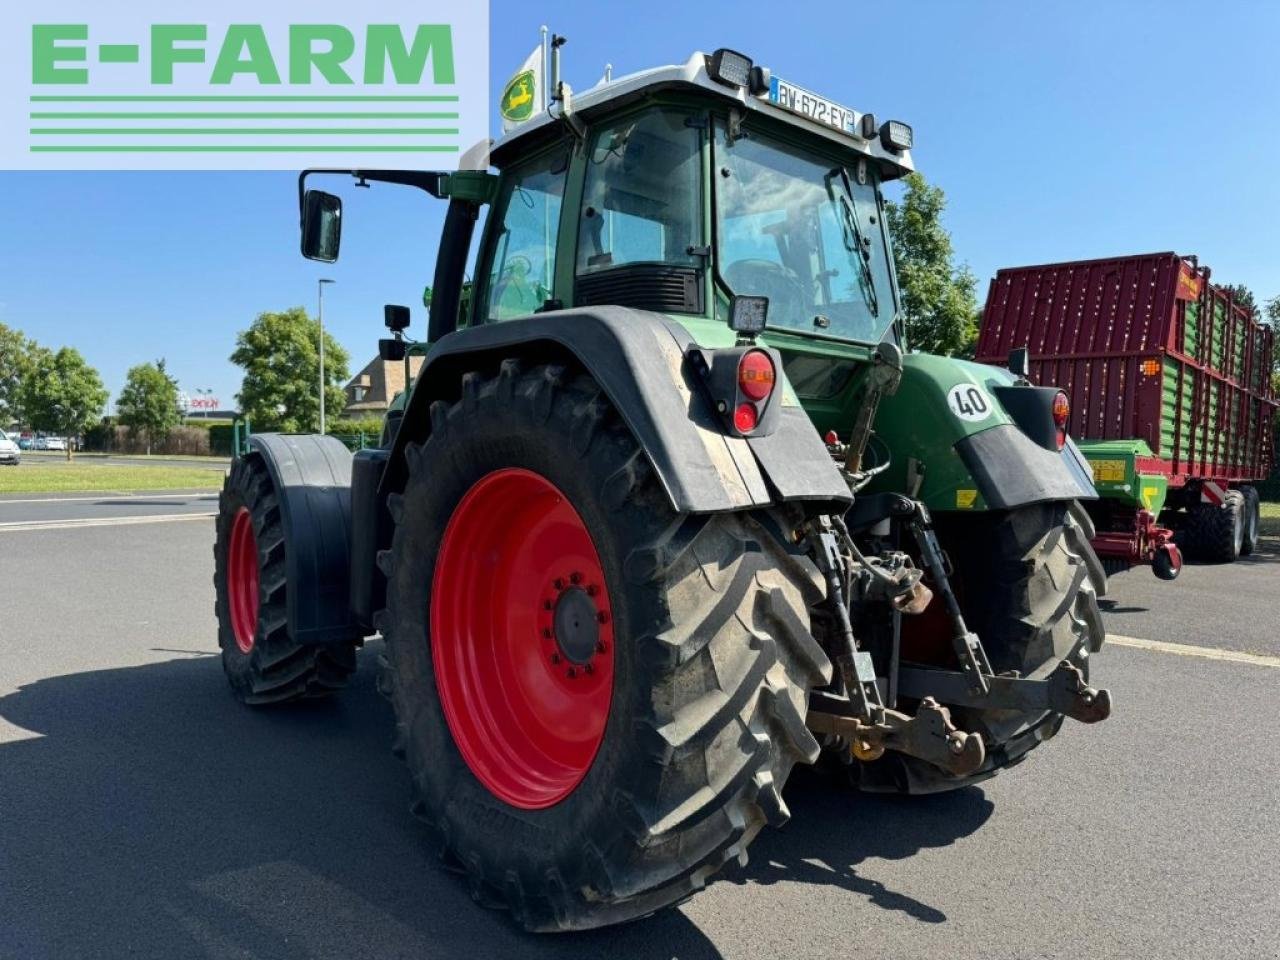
{"points": [[320, 288]]}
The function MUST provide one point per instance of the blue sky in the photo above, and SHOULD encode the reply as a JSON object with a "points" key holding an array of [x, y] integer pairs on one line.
{"points": [[1058, 129]]}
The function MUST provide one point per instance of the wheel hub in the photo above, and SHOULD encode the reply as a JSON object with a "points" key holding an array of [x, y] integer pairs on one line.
{"points": [[576, 630]]}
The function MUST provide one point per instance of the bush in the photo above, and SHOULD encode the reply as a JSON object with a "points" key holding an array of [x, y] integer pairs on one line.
{"points": [[221, 438], [109, 437]]}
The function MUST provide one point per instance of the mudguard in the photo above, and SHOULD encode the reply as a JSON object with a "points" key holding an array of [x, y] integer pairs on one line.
{"points": [[971, 454], [638, 358], [312, 478]]}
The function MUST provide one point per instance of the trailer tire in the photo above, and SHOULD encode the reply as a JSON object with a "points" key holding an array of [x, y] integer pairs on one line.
{"points": [[261, 661], [1038, 600], [708, 658], [1215, 533], [1252, 519]]}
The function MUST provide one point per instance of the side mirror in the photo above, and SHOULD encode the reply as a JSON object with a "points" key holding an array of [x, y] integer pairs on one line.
{"points": [[321, 226], [1020, 362]]}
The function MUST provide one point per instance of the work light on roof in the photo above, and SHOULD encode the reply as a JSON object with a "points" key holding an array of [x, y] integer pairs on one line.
{"points": [[896, 136], [735, 69]]}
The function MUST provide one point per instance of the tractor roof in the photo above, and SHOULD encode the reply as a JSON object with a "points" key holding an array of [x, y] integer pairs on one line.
{"points": [[692, 76]]}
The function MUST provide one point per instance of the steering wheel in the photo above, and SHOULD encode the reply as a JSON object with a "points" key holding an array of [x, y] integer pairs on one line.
{"points": [[786, 293]]}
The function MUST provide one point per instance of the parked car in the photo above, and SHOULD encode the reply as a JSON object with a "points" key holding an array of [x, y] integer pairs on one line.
{"points": [[9, 450], [25, 443], [53, 443]]}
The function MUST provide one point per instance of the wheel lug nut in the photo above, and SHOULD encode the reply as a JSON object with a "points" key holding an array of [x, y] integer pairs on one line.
{"points": [[571, 673], [548, 605], [555, 658], [600, 646], [575, 578], [592, 590], [603, 616], [558, 583], [589, 669], [546, 633]]}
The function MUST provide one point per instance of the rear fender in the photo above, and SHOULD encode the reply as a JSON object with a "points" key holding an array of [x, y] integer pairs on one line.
{"points": [[955, 446], [639, 359], [312, 479]]}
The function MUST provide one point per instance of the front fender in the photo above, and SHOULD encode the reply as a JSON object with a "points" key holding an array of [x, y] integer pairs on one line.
{"points": [[961, 457], [638, 358]]}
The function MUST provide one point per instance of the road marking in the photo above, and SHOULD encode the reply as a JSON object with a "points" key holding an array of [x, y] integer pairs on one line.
{"points": [[121, 495], [1190, 650], [20, 526]]}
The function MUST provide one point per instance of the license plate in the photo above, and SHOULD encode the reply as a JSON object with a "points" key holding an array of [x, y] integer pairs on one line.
{"points": [[808, 104]]}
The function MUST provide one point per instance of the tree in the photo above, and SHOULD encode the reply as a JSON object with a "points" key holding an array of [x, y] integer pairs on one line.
{"points": [[149, 402], [938, 301], [15, 355], [1243, 296], [1272, 314], [280, 356], [60, 393]]}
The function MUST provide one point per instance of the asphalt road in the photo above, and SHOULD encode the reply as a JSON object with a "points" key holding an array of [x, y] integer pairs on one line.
{"points": [[44, 510], [144, 813]]}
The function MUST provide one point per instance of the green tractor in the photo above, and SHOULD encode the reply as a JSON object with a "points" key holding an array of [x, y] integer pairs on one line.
{"points": [[668, 509]]}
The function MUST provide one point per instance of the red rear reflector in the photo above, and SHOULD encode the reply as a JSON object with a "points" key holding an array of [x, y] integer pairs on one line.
{"points": [[831, 439], [755, 375], [745, 417]]}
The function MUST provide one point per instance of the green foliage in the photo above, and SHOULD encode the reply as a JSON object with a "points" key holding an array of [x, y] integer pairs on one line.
{"points": [[938, 301], [149, 402], [222, 439], [15, 356], [1243, 296], [279, 354], [60, 393], [370, 426]]}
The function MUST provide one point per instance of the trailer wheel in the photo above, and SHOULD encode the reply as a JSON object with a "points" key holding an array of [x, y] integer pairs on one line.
{"points": [[598, 699], [1028, 583], [1216, 533], [1252, 519], [261, 661]]}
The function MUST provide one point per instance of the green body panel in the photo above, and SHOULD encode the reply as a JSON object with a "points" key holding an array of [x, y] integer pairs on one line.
{"points": [[1117, 477]]}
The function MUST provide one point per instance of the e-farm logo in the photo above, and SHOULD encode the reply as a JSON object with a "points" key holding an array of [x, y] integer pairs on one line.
{"points": [[157, 85]]}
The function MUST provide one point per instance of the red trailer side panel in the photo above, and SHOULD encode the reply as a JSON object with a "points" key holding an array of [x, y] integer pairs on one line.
{"points": [[1145, 347]]}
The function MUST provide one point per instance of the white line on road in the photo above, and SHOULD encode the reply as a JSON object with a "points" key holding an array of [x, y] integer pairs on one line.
{"points": [[112, 495], [21, 526], [1190, 650]]}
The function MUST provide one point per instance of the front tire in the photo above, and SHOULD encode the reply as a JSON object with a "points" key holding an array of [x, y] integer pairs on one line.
{"points": [[693, 713], [260, 659]]}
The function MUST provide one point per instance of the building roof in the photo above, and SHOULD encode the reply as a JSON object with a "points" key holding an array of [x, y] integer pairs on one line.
{"points": [[377, 385]]}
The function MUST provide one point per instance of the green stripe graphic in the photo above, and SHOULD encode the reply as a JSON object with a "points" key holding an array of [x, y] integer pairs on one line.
{"points": [[244, 99], [244, 131], [190, 148]]}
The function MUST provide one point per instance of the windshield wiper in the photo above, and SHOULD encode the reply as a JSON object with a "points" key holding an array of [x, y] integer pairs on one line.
{"points": [[854, 239]]}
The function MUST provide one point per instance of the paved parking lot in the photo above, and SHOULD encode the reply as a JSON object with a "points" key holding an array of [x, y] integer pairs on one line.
{"points": [[144, 813]]}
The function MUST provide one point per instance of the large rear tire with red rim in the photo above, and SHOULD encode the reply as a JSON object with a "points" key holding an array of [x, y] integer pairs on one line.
{"points": [[598, 699], [261, 661]]}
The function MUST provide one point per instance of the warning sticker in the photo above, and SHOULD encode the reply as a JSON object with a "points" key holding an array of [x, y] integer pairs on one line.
{"points": [[965, 499], [1108, 471]]}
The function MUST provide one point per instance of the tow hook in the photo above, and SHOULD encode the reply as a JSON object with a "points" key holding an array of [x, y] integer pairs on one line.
{"points": [[929, 735]]}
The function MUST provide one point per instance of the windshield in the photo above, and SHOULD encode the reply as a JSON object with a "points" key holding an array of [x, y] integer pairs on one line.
{"points": [[806, 232]]}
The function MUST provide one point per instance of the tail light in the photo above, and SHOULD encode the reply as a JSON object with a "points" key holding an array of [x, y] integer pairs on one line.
{"points": [[1061, 414], [741, 382], [756, 376]]}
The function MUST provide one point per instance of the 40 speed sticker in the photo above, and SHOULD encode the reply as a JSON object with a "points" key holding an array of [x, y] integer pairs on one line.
{"points": [[968, 401]]}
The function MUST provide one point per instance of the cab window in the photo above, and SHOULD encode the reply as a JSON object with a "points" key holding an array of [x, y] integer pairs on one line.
{"points": [[642, 200], [524, 249]]}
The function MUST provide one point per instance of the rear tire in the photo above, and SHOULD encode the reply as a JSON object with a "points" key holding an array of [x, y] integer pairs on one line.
{"points": [[261, 661], [1028, 583], [1252, 520], [712, 663], [1214, 533]]}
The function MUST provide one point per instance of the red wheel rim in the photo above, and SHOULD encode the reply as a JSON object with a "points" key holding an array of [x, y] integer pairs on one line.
{"points": [[242, 579], [522, 638]]}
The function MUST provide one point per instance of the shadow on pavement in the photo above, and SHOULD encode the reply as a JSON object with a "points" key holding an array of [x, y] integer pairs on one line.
{"points": [[145, 813], [834, 829]]}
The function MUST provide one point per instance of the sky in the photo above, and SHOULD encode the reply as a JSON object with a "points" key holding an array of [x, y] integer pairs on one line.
{"points": [[1061, 129]]}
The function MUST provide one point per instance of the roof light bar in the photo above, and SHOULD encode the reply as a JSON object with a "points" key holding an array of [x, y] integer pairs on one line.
{"points": [[729, 67], [895, 136]]}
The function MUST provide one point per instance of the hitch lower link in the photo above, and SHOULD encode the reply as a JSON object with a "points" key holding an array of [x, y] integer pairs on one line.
{"points": [[869, 727]]}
